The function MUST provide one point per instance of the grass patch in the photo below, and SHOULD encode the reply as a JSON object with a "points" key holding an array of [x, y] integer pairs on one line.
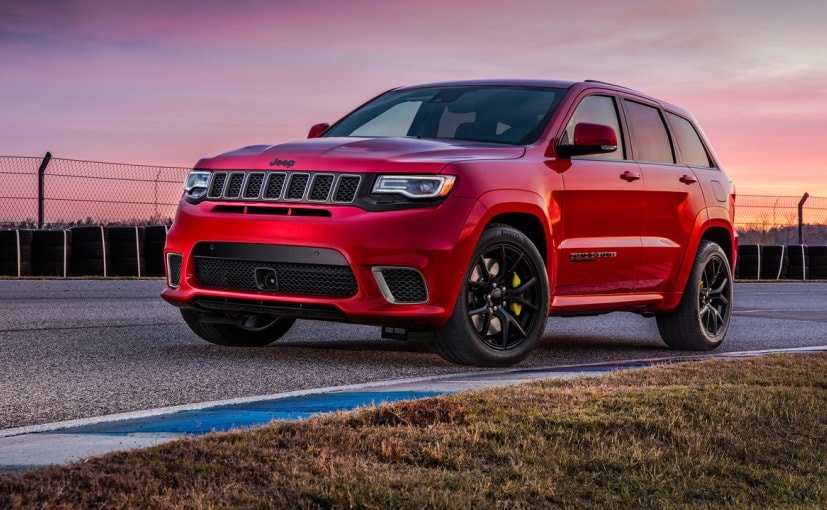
{"points": [[740, 433]]}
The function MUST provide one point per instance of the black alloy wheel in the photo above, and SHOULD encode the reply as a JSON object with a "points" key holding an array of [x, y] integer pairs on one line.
{"points": [[501, 296], [502, 306], [715, 297], [702, 318]]}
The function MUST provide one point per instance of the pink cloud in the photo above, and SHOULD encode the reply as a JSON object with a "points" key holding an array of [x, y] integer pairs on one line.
{"points": [[168, 82]]}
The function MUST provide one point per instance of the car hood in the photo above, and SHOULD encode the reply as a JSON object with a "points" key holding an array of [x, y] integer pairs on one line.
{"points": [[359, 154]]}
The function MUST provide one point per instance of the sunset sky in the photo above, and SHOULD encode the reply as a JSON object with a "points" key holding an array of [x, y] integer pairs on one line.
{"points": [[169, 81]]}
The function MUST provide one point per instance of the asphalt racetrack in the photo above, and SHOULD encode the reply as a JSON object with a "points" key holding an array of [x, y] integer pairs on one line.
{"points": [[80, 348]]}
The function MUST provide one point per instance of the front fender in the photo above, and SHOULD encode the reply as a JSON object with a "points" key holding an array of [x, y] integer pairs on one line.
{"points": [[514, 207]]}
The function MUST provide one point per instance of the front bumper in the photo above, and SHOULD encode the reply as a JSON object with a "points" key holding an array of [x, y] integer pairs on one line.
{"points": [[434, 243]]}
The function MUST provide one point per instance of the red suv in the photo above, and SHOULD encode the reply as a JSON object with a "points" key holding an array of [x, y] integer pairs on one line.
{"points": [[463, 214]]}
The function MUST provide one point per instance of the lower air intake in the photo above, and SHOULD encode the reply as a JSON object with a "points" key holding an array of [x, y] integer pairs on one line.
{"points": [[293, 279], [401, 285], [174, 263]]}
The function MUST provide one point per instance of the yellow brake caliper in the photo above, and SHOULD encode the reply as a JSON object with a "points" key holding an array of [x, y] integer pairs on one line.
{"points": [[517, 308]]}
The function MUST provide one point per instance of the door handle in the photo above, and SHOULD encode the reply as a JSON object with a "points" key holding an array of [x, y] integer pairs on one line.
{"points": [[687, 179], [630, 176]]}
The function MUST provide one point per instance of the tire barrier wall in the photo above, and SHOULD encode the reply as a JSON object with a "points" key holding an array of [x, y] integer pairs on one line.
{"points": [[127, 245], [16, 252], [786, 262], [139, 251], [156, 237], [90, 251], [51, 252], [83, 251]]}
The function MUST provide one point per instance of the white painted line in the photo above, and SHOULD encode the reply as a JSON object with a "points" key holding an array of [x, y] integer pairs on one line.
{"points": [[147, 413], [451, 379]]}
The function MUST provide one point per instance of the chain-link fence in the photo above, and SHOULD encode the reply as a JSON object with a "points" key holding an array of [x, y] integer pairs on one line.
{"points": [[56, 193], [769, 220]]}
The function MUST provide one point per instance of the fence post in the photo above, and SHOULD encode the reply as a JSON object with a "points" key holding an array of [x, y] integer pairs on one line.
{"points": [[41, 199], [801, 218]]}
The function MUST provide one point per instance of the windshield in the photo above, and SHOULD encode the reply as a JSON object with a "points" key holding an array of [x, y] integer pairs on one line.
{"points": [[498, 114]]}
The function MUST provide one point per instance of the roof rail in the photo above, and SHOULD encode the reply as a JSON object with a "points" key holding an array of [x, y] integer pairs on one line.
{"points": [[612, 84]]}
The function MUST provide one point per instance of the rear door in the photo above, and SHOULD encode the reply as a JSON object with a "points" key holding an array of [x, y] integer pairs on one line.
{"points": [[601, 210], [673, 197]]}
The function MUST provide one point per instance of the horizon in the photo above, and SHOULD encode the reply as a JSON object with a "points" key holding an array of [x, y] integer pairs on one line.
{"points": [[166, 83]]}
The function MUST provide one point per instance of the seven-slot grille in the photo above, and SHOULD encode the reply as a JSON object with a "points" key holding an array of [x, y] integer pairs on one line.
{"points": [[308, 187]]}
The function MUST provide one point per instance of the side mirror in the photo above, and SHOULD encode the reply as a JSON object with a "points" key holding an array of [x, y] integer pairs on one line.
{"points": [[589, 139], [317, 130]]}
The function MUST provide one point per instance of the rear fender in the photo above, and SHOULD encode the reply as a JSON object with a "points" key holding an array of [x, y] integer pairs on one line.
{"points": [[706, 219]]}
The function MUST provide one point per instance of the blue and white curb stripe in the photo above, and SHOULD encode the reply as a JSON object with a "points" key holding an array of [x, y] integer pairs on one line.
{"points": [[61, 442]]}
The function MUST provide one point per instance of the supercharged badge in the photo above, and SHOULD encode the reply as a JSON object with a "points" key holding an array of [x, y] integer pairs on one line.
{"points": [[591, 256]]}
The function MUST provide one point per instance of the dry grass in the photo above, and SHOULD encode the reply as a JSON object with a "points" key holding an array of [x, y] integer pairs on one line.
{"points": [[747, 433]]}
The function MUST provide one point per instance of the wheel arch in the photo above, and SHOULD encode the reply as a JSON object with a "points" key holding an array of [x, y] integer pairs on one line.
{"points": [[524, 211], [723, 238], [528, 224], [715, 230]]}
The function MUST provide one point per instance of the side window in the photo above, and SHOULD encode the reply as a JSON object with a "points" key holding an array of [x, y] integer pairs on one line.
{"points": [[650, 140], [693, 152], [596, 110]]}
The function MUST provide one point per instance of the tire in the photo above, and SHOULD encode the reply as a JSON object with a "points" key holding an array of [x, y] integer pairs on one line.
{"points": [[798, 261], [750, 260], [797, 273], [88, 234], [799, 255], [701, 320], [88, 267], [90, 251], [127, 251], [774, 267], [266, 330], [51, 252], [502, 308], [154, 250], [748, 272], [773, 252], [15, 259], [749, 250]]}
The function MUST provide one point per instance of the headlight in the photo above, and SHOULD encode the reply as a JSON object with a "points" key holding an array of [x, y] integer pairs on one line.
{"points": [[196, 179], [415, 186]]}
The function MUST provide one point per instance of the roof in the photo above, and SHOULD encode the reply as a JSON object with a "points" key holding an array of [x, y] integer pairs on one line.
{"points": [[559, 84]]}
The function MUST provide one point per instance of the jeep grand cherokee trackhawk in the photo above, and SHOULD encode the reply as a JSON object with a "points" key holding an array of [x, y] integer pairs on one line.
{"points": [[463, 214]]}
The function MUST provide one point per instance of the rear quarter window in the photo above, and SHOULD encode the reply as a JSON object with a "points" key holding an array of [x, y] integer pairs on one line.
{"points": [[692, 150]]}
